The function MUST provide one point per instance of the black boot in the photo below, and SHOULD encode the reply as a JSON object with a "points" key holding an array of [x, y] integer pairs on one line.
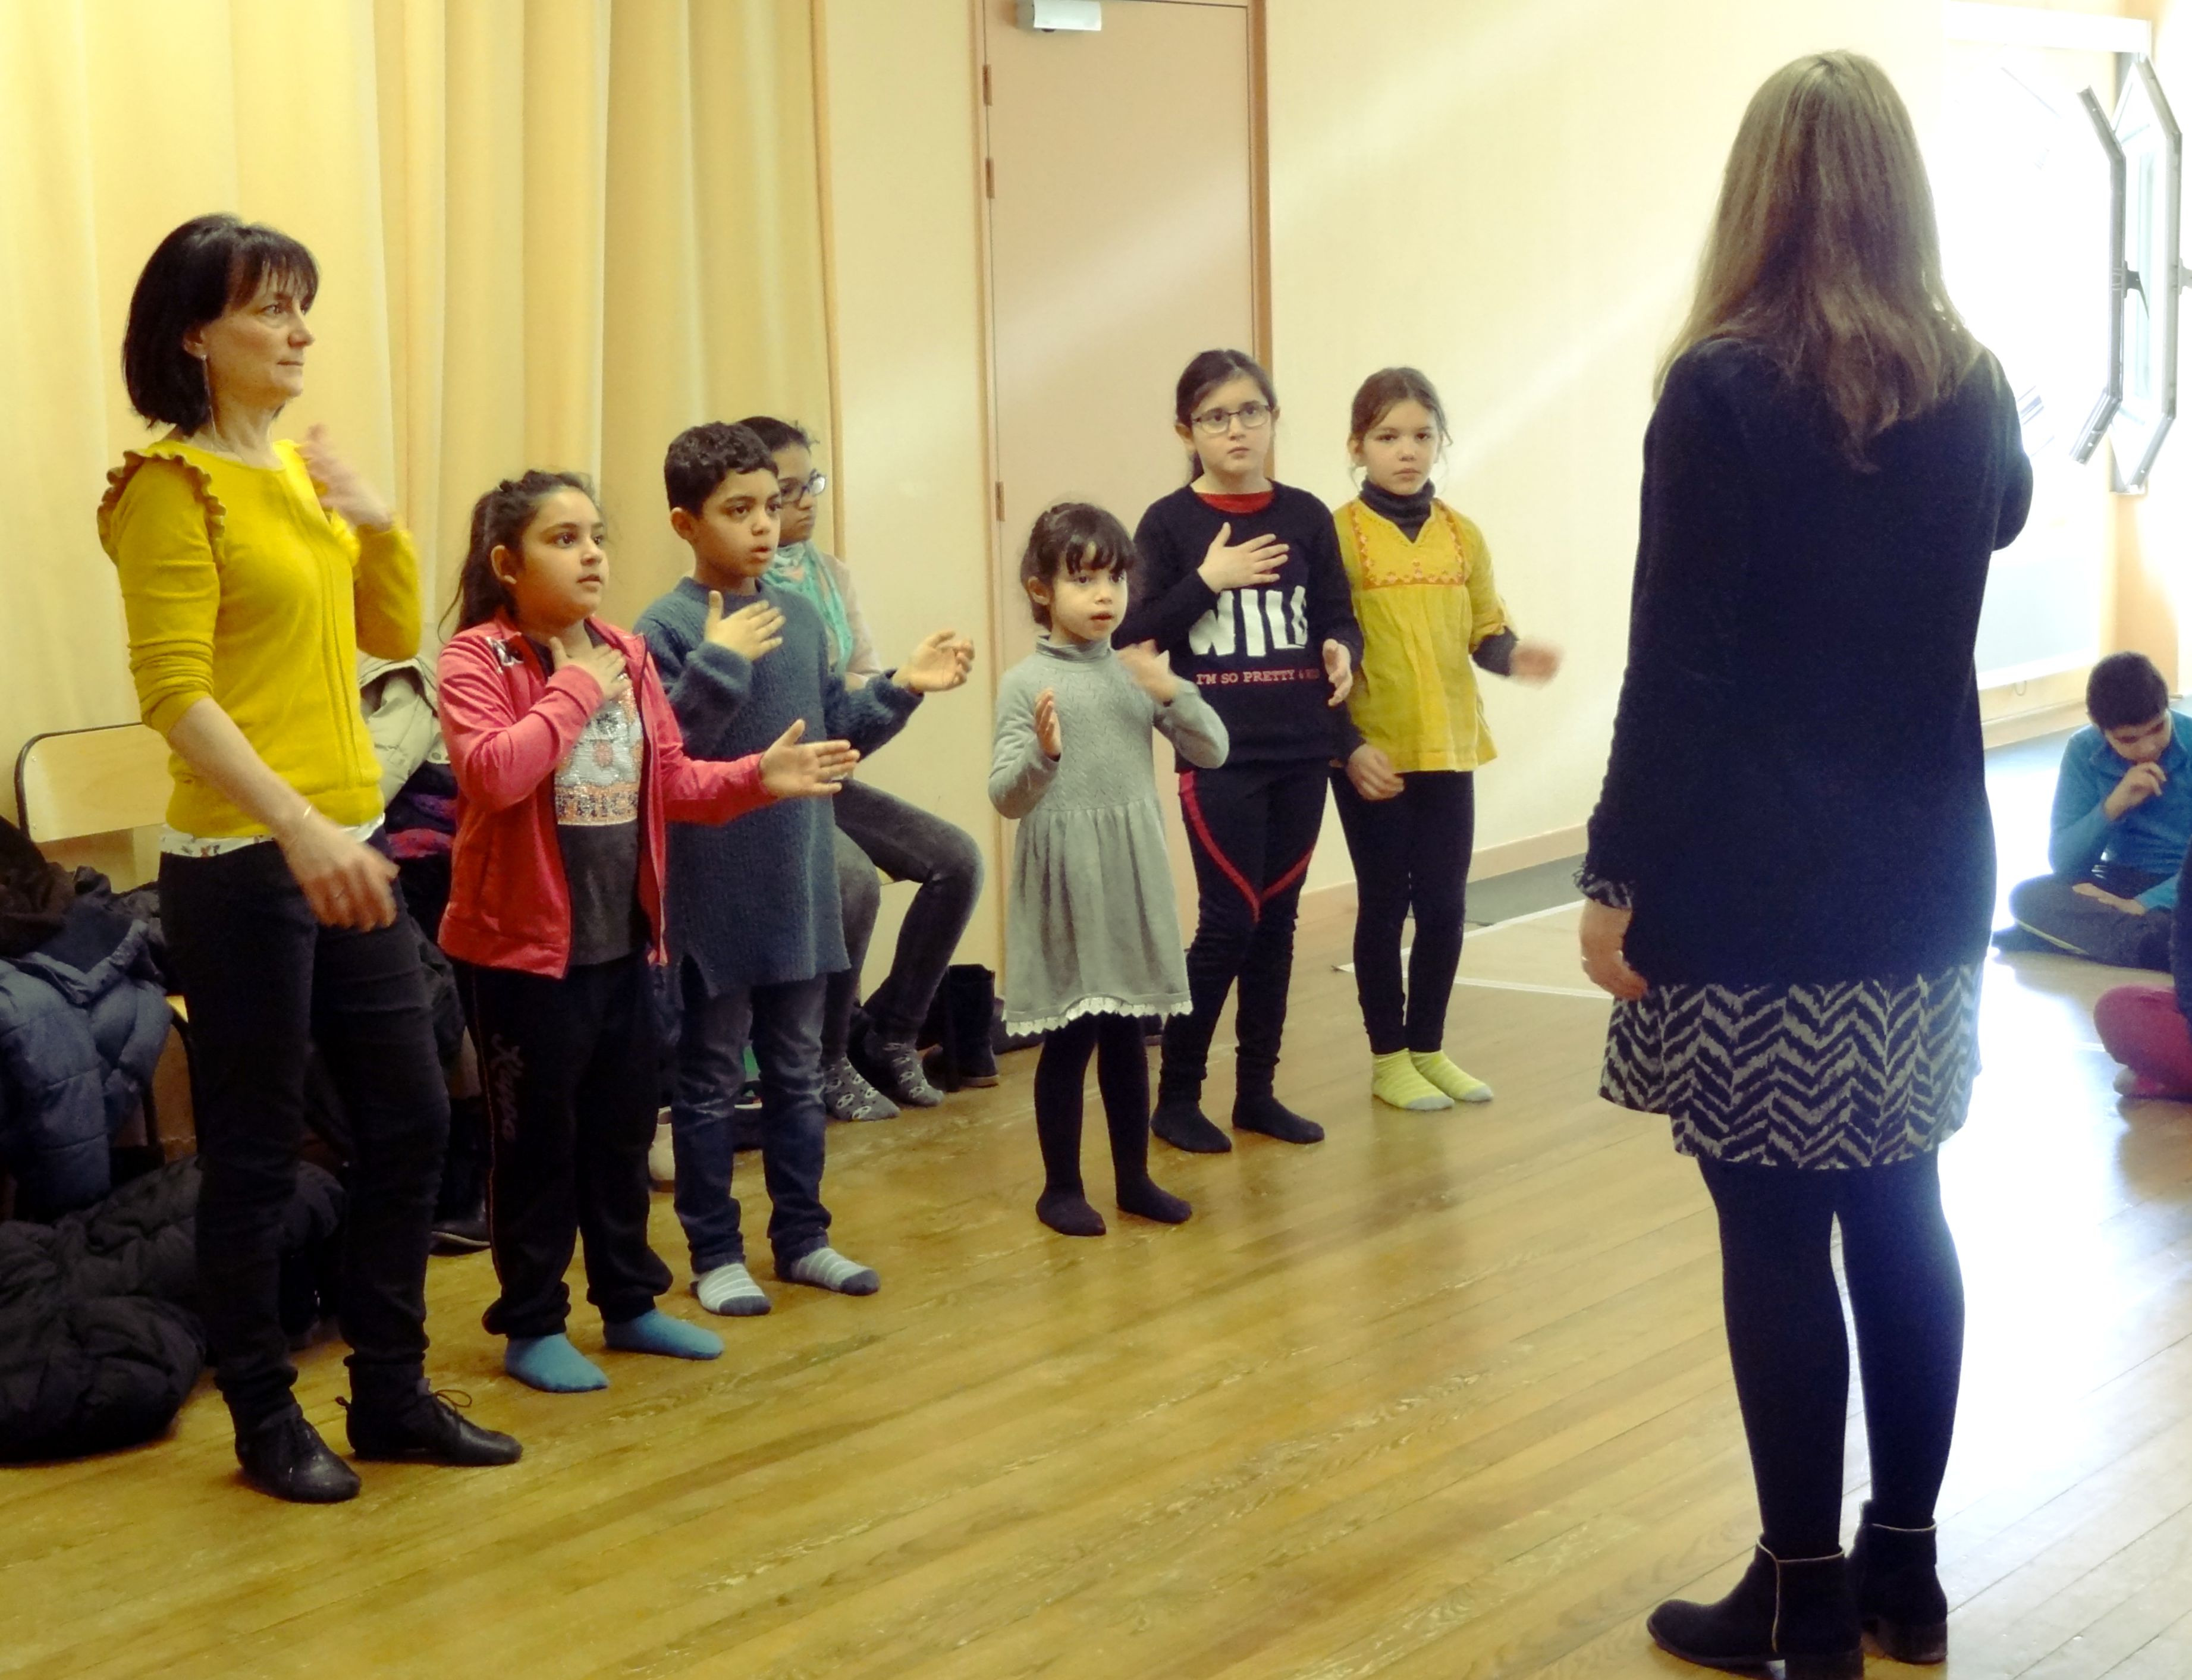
{"points": [[284, 1456], [406, 1420], [970, 992], [1800, 1612], [1898, 1590]]}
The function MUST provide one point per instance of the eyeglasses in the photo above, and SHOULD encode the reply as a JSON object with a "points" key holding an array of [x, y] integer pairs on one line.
{"points": [[803, 490], [1216, 422]]}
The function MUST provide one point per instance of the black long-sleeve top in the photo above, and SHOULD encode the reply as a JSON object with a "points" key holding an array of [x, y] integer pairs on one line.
{"points": [[1797, 791], [1256, 654]]}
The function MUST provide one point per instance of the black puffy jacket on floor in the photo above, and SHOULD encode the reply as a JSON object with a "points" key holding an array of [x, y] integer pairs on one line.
{"points": [[99, 1343]]}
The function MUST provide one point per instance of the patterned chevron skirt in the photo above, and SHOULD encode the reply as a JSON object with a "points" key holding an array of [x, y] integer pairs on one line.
{"points": [[1852, 1073]]}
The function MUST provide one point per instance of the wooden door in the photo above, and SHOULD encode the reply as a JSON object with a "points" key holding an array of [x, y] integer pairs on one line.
{"points": [[1121, 201]]}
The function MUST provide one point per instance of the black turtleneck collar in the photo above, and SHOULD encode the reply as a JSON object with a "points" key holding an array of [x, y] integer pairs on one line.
{"points": [[1410, 513]]}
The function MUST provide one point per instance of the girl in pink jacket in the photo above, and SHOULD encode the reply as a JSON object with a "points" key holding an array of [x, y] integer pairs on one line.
{"points": [[568, 763]]}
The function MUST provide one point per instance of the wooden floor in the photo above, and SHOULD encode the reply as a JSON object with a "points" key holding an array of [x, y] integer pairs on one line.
{"points": [[1445, 1396]]}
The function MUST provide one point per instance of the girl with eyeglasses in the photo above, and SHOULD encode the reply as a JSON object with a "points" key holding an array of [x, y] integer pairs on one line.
{"points": [[1247, 592], [875, 832]]}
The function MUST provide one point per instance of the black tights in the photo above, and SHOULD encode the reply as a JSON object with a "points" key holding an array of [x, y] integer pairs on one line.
{"points": [[1122, 1074], [1790, 1349], [1411, 855]]}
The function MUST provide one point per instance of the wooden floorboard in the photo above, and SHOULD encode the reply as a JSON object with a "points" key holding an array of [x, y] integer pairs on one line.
{"points": [[1445, 1396]]}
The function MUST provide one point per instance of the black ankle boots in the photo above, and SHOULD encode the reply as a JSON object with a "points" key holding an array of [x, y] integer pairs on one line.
{"points": [[1898, 1590], [1800, 1612]]}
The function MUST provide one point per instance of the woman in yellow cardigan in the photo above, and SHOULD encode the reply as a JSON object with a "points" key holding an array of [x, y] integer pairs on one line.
{"points": [[252, 572], [1424, 595]]}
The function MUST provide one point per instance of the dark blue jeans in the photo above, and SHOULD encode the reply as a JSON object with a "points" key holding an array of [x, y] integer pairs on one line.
{"points": [[265, 981], [906, 843], [784, 1024]]}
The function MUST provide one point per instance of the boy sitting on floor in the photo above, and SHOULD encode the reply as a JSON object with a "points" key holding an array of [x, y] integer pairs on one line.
{"points": [[2122, 823]]}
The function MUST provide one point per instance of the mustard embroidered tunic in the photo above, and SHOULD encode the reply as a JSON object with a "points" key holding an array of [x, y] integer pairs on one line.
{"points": [[1424, 605]]}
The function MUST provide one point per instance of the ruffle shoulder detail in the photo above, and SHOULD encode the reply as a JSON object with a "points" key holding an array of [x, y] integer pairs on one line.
{"points": [[133, 461]]}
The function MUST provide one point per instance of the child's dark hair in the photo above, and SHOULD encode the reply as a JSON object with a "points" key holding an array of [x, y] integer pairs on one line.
{"points": [[198, 273], [1203, 375], [777, 434], [1385, 390], [2125, 689], [1077, 538], [701, 457], [499, 519]]}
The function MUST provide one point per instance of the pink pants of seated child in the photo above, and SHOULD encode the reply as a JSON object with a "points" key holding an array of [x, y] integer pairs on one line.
{"points": [[2142, 1027]]}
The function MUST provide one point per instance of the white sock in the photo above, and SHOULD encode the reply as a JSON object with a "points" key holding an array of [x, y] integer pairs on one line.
{"points": [[730, 1290], [827, 1269]]}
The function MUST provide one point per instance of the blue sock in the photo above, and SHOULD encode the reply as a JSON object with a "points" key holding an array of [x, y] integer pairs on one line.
{"points": [[655, 1331], [552, 1365]]}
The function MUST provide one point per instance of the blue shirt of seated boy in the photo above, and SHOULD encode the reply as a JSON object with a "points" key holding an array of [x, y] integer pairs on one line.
{"points": [[2150, 835]]}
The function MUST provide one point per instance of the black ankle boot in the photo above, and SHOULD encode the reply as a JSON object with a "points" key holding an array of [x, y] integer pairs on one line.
{"points": [[1898, 1590], [1799, 1611], [410, 1421], [284, 1456]]}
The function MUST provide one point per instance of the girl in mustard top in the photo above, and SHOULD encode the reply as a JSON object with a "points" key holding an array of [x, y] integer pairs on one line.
{"points": [[1424, 595]]}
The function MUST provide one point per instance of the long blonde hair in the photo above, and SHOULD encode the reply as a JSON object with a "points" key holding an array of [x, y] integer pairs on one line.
{"points": [[1824, 253]]}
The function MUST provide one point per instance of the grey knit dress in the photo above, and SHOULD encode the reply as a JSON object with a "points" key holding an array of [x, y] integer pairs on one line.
{"points": [[1090, 924]]}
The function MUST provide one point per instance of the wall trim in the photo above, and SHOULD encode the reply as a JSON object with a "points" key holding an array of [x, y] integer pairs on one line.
{"points": [[1528, 853], [2041, 720], [818, 56]]}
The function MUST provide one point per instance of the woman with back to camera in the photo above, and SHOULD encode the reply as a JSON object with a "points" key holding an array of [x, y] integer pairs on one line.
{"points": [[253, 570], [1790, 871]]}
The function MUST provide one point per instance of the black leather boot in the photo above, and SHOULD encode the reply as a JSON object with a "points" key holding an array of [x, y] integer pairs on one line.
{"points": [[1898, 1590], [1799, 1611], [284, 1456], [410, 1421], [972, 991]]}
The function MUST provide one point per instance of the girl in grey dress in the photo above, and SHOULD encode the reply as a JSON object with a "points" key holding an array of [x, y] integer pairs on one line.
{"points": [[1092, 937]]}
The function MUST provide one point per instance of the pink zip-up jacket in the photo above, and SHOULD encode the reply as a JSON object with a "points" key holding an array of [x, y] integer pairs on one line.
{"points": [[508, 724]]}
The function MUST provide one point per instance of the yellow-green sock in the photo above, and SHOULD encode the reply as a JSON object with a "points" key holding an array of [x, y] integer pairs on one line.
{"points": [[1457, 1082], [1395, 1081]]}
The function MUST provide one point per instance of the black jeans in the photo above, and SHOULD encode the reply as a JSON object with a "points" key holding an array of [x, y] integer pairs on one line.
{"points": [[1410, 856], [568, 1067], [1121, 1048], [1252, 831], [264, 982], [1790, 1349], [784, 1023], [906, 843]]}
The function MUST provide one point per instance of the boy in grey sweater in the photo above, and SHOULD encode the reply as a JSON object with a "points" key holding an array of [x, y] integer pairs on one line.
{"points": [[754, 925]]}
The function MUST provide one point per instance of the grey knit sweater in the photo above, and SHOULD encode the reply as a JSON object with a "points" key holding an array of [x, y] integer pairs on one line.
{"points": [[754, 902]]}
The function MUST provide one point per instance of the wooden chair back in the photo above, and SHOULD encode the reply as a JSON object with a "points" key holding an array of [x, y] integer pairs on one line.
{"points": [[96, 797]]}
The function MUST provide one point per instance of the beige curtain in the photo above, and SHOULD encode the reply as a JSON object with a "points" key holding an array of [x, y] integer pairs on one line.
{"points": [[551, 233]]}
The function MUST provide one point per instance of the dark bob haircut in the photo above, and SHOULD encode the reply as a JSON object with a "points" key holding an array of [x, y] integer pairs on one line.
{"points": [[778, 434], [701, 457], [1076, 538], [2125, 689], [200, 272]]}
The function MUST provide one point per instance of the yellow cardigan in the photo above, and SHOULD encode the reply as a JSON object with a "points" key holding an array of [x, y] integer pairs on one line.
{"points": [[237, 585], [1423, 606]]}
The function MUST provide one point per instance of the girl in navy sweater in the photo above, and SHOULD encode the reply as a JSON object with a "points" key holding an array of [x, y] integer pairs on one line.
{"points": [[1246, 593]]}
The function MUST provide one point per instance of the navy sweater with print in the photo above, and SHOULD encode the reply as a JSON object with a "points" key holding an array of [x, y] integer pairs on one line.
{"points": [[1256, 654], [754, 902]]}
